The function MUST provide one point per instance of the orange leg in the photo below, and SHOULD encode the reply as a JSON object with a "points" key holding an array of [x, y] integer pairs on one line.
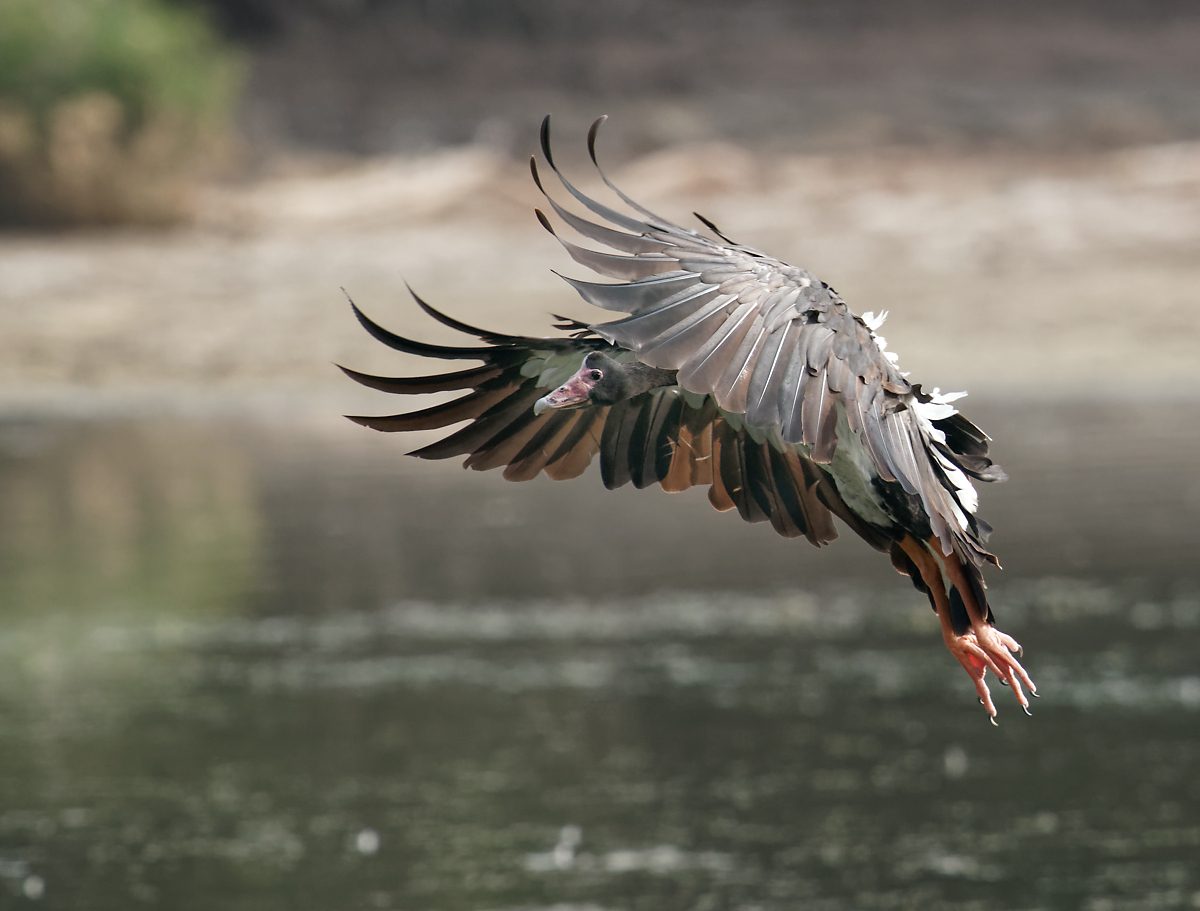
{"points": [[967, 648], [1000, 647]]}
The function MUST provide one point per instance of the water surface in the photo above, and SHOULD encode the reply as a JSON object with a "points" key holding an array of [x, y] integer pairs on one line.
{"points": [[251, 665]]}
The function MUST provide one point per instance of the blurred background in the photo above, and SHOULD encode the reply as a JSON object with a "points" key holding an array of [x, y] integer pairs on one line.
{"points": [[250, 657]]}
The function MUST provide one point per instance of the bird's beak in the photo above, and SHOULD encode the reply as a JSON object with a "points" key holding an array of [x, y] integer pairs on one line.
{"points": [[571, 394]]}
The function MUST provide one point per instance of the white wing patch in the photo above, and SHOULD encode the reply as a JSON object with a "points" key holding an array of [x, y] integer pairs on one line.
{"points": [[874, 321], [937, 408]]}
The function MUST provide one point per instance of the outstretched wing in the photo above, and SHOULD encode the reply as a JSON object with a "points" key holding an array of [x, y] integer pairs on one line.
{"points": [[666, 436], [503, 429], [769, 341]]}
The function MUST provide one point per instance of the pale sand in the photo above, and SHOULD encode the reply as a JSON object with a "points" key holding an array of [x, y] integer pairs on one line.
{"points": [[1042, 276]]}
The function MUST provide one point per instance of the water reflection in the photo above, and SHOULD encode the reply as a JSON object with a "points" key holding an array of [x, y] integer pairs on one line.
{"points": [[124, 516], [247, 666]]}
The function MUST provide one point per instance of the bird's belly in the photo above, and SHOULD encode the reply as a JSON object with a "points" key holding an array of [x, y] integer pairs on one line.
{"points": [[853, 472]]}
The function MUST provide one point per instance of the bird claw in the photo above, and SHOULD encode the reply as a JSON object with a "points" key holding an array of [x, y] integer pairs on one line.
{"points": [[996, 652]]}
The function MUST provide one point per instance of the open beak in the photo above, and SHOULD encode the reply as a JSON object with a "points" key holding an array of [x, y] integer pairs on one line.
{"points": [[571, 394]]}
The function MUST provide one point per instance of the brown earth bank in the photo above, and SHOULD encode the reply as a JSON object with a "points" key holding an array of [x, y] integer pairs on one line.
{"points": [[1035, 274], [386, 76]]}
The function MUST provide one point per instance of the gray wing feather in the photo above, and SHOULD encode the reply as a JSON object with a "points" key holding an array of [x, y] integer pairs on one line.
{"points": [[633, 297], [767, 340]]}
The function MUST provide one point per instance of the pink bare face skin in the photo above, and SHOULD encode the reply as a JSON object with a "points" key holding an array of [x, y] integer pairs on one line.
{"points": [[573, 393]]}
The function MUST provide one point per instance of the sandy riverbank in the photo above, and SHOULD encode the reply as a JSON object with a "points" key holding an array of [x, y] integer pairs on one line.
{"points": [[1073, 274]]}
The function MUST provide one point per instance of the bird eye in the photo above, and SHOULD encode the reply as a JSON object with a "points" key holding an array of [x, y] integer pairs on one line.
{"points": [[596, 375]]}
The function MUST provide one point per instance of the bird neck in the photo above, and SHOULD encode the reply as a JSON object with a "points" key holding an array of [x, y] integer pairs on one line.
{"points": [[639, 378]]}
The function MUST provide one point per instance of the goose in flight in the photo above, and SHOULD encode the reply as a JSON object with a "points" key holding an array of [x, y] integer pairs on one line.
{"points": [[732, 370]]}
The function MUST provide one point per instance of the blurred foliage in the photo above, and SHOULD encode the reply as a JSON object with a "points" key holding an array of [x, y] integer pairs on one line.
{"points": [[107, 107]]}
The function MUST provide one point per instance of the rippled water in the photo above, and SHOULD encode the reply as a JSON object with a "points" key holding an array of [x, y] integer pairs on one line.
{"points": [[250, 666]]}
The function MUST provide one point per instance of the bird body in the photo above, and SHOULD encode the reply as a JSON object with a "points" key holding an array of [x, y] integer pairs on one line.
{"points": [[733, 370]]}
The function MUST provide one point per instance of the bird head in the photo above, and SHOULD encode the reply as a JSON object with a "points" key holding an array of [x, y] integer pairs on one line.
{"points": [[598, 380]]}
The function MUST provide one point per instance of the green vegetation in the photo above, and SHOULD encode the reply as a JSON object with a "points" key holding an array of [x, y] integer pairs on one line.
{"points": [[107, 107]]}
